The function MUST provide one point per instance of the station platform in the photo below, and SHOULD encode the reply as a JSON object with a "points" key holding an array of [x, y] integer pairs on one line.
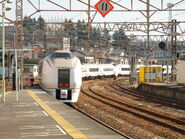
{"points": [[37, 115], [167, 90]]}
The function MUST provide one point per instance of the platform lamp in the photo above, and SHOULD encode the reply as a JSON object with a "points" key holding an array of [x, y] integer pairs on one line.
{"points": [[4, 8]]}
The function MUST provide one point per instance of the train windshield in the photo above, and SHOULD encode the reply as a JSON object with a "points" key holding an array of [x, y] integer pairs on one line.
{"points": [[62, 55]]}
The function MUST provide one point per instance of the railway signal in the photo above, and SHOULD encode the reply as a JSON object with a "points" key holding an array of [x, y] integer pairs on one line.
{"points": [[162, 45], [104, 7]]}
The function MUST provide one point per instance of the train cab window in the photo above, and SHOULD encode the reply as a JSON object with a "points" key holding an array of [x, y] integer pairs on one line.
{"points": [[27, 70], [108, 69], [93, 69], [62, 55]]}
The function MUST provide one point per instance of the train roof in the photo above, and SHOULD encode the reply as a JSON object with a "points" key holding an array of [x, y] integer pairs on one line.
{"points": [[97, 66], [62, 51], [67, 63], [63, 58], [62, 54]]}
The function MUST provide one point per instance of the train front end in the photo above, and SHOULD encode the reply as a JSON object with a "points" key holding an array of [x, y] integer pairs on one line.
{"points": [[69, 84], [62, 73]]}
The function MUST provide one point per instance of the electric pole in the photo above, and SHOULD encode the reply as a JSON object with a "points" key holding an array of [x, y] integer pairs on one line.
{"points": [[19, 30]]}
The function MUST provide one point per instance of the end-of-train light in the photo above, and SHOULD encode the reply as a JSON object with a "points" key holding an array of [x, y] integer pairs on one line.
{"points": [[66, 84], [60, 84]]}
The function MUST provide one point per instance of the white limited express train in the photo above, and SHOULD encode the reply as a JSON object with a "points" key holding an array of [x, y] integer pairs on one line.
{"points": [[61, 73]]}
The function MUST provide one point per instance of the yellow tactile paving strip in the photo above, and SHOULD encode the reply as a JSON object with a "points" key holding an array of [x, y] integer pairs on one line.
{"points": [[70, 129]]}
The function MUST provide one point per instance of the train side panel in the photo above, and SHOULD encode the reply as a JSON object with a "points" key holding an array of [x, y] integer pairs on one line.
{"points": [[75, 82], [49, 76], [123, 69]]}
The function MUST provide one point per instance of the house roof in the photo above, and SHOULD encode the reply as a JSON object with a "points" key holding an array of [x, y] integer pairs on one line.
{"points": [[115, 53], [82, 54]]}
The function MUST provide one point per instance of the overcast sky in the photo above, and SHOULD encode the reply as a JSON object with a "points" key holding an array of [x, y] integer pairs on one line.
{"points": [[111, 17], [28, 9]]}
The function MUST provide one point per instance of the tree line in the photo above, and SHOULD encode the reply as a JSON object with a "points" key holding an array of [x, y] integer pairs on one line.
{"points": [[79, 33]]}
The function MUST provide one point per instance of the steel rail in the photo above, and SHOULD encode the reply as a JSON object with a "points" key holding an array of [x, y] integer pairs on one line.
{"points": [[154, 98], [119, 105]]}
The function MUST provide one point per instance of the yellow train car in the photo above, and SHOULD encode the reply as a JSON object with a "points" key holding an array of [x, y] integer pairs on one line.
{"points": [[151, 73]]}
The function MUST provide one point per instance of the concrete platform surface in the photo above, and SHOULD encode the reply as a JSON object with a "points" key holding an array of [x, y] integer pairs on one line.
{"points": [[37, 115], [171, 91]]}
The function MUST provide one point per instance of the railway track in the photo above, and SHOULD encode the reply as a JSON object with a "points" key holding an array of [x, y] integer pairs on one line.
{"points": [[171, 123], [158, 99]]}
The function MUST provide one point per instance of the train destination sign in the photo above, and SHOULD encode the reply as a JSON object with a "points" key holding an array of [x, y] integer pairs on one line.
{"points": [[104, 7]]}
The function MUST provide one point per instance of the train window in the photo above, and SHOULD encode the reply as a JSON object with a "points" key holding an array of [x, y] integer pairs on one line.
{"points": [[163, 69], [84, 70], [40, 68], [125, 69], [93, 69], [154, 70], [108, 69], [34, 70], [62, 55], [26, 70]]}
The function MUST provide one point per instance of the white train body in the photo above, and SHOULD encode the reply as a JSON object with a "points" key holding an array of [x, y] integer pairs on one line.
{"points": [[90, 71], [165, 69], [94, 70], [61, 71], [123, 69]]}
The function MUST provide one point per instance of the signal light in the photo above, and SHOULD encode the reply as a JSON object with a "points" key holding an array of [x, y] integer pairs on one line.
{"points": [[162, 45]]}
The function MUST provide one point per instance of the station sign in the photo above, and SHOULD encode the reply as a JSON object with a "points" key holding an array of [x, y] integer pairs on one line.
{"points": [[104, 7]]}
